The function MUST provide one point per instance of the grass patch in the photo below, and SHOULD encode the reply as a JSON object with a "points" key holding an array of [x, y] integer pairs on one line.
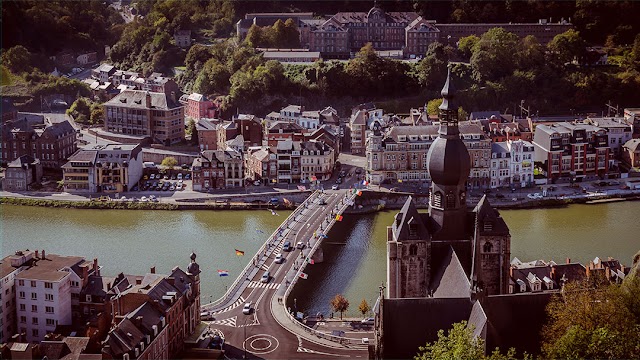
{"points": [[112, 205]]}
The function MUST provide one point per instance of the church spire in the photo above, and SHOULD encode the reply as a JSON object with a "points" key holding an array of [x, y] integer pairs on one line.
{"points": [[449, 108]]}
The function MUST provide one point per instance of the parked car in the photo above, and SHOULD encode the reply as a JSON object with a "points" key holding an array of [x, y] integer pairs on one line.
{"points": [[187, 177], [300, 245], [265, 277], [206, 315], [358, 171], [286, 246], [179, 176], [279, 259], [172, 188], [179, 186], [152, 176], [173, 177], [274, 201], [335, 187], [246, 309], [368, 321], [257, 183], [144, 199]]}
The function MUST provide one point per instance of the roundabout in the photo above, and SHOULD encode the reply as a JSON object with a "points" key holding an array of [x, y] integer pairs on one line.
{"points": [[261, 344]]}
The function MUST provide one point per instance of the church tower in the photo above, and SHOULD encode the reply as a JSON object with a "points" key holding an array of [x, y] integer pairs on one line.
{"points": [[408, 254], [448, 165]]}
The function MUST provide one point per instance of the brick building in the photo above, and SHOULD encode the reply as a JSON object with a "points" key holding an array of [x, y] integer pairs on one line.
{"points": [[143, 113], [51, 143], [207, 134], [261, 164], [218, 169], [198, 107]]}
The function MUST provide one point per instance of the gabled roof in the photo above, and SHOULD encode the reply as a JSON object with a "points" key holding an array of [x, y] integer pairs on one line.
{"points": [[407, 217], [23, 161], [486, 213], [123, 338], [450, 280], [59, 129], [632, 145], [137, 99]]}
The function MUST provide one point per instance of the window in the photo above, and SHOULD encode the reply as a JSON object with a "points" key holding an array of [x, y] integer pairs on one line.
{"points": [[23, 319], [48, 285], [50, 322], [88, 298], [34, 332], [34, 320], [49, 309], [487, 247], [34, 308], [21, 294], [48, 297], [413, 249], [34, 296], [33, 283], [20, 282], [23, 307]]}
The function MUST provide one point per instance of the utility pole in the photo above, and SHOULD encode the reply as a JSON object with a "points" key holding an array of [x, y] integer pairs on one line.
{"points": [[611, 107], [526, 110]]}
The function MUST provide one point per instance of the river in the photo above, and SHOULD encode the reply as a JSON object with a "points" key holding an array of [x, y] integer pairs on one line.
{"points": [[354, 254]]}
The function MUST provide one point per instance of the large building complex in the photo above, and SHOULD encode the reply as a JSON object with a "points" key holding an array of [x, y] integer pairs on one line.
{"points": [[343, 34], [154, 115]]}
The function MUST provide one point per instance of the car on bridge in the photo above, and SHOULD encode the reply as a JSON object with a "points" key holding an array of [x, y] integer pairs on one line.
{"points": [[246, 309], [300, 245], [287, 246], [265, 277], [279, 259], [335, 187]]}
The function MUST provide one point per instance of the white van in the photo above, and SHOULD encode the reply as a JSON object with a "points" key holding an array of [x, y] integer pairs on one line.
{"points": [[149, 165]]}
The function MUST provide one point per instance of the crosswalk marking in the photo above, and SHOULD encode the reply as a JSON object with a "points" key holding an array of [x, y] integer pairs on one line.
{"points": [[226, 322], [264, 267], [255, 284], [237, 303]]}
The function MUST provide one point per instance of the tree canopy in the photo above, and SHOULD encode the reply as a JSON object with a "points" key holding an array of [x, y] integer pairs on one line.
{"points": [[339, 304]]}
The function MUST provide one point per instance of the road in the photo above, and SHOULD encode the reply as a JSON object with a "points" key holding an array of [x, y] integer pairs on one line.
{"points": [[259, 333]]}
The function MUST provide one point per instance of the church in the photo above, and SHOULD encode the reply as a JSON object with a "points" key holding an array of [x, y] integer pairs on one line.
{"points": [[452, 263]]}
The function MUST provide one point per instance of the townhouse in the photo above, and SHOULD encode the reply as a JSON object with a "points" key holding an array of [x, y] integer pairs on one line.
{"points": [[22, 173], [261, 164], [618, 131], [218, 169]]}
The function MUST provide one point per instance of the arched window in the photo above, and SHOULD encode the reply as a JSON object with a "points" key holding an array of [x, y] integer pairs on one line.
{"points": [[413, 249], [487, 247]]}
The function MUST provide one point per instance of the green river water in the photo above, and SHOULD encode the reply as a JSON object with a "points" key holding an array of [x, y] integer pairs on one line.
{"points": [[354, 254]]}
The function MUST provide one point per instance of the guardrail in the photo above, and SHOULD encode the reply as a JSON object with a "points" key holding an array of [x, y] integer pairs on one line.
{"points": [[319, 334], [250, 265]]}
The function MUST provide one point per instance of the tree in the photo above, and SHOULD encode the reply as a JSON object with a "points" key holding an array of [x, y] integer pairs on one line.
{"points": [[17, 59], [432, 106], [169, 162], [340, 304], [364, 307], [192, 130], [594, 319], [432, 69], [80, 110], [255, 37], [292, 35], [488, 60], [467, 44], [567, 47], [97, 115], [459, 343]]}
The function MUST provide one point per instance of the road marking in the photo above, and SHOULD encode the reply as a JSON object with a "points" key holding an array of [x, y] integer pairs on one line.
{"points": [[226, 322], [255, 284], [264, 267], [237, 303], [257, 349]]}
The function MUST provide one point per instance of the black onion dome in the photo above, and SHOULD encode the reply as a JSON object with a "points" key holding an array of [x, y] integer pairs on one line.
{"points": [[448, 161]]}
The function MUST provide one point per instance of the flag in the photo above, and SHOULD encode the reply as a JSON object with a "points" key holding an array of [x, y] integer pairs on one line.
{"points": [[314, 178], [324, 236], [223, 272], [339, 217], [273, 212], [239, 253], [303, 275], [359, 193], [365, 183], [287, 202], [310, 261], [302, 188]]}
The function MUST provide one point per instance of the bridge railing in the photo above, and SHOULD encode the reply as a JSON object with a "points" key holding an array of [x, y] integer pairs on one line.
{"points": [[243, 275], [319, 334]]}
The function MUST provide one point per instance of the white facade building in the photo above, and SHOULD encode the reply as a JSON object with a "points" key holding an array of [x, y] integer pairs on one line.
{"points": [[522, 154], [618, 131], [46, 293], [11, 266], [500, 165]]}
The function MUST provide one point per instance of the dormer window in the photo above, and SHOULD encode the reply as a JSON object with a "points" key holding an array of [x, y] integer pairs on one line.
{"points": [[437, 200]]}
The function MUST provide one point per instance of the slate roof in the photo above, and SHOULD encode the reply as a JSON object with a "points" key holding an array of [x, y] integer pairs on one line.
{"points": [[136, 99], [23, 161], [450, 280], [403, 220], [123, 338], [206, 124], [486, 213], [50, 268], [58, 130], [516, 321], [632, 145], [411, 323]]}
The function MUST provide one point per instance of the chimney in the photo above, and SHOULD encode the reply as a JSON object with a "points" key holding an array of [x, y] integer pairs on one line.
{"points": [[153, 270], [173, 96], [96, 269], [171, 280], [37, 252], [568, 261], [148, 100], [511, 271], [553, 273], [43, 257], [138, 321], [85, 274]]}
